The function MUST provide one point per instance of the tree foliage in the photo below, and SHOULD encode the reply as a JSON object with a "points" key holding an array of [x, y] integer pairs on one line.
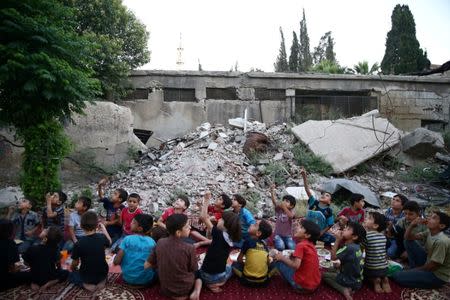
{"points": [[293, 58], [363, 68], [122, 39], [281, 64], [325, 49], [305, 59], [403, 53], [329, 67], [45, 76]]}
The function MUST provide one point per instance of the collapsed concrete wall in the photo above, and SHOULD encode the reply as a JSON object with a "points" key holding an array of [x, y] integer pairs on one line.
{"points": [[408, 102], [102, 137]]}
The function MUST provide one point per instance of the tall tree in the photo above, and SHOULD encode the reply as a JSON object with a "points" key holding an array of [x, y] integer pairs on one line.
{"points": [[305, 59], [281, 64], [403, 53], [45, 76], [122, 39], [325, 49], [293, 58]]}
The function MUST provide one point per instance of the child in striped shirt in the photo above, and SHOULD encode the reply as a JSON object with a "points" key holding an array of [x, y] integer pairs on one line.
{"points": [[376, 266]]}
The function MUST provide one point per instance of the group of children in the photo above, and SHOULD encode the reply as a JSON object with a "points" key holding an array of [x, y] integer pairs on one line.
{"points": [[361, 243]]}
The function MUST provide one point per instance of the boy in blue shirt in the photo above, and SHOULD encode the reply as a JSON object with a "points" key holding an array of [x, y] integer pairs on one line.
{"points": [[134, 251], [245, 216], [320, 212]]}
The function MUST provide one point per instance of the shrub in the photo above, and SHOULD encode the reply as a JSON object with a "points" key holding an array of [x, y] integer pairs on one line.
{"points": [[309, 161]]}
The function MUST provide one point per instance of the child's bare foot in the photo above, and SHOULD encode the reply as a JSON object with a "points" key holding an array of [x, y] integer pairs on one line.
{"points": [[215, 288], [385, 285], [377, 286], [347, 294], [195, 295]]}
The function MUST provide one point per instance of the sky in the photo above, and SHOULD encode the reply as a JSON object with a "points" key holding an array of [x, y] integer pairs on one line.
{"points": [[221, 33]]}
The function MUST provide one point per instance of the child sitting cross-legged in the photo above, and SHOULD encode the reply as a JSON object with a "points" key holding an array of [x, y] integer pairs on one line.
{"points": [[134, 250], [435, 273], [284, 211], [215, 271], [90, 249], [82, 205], [375, 263], [301, 270], [44, 261], [349, 277], [256, 270], [26, 224], [176, 261], [245, 216], [393, 214], [355, 212]]}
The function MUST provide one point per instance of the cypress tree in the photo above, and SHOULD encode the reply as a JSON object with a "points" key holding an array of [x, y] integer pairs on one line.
{"points": [[403, 53], [305, 59], [329, 49], [293, 58], [281, 64]]}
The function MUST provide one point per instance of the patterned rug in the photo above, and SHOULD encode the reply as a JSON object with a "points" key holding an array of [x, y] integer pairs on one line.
{"points": [[277, 289]]}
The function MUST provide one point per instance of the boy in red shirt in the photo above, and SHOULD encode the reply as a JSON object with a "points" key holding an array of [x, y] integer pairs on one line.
{"points": [[354, 213], [301, 270], [216, 210], [127, 215]]}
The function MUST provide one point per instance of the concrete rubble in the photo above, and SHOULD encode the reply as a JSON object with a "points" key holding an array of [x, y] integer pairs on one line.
{"points": [[346, 143], [422, 143]]}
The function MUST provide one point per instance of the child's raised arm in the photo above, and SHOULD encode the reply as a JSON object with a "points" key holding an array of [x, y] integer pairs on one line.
{"points": [[305, 182], [100, 186], [105, 232], [273, 195], [204, 213]]}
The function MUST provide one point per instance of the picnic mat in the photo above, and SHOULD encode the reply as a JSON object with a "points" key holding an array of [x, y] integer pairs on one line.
{"points": [[278, 289]]}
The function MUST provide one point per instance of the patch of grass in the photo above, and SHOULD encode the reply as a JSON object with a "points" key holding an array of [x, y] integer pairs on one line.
{"points": [[254, 157], [446, 136], [362, 168], [312, 163], [421, 173], [391, 163], [277, 173]]}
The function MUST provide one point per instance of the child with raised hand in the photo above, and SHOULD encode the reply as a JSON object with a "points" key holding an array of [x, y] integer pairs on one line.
{"points": [[245, 216], [415, 248], [435, 273], [355, 212], [113, 207], [90, 249], [375, 263], [284, 211], [301, 270], [53, 213], [176, 261], [319, 211], [178, 207], [349, 277], [44, 261], [134, 251], [26, 223], [82, 205], [257, 269], [126, 216], [216, 210], [393, 214], [215, 271]]}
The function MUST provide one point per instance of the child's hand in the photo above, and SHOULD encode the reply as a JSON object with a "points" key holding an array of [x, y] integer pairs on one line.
{"points": [[418, 221], [282, 204], [273, 187], [48, 197], [103, 181], [147, 265], [207, 195], [337, 234], [278, 256]]}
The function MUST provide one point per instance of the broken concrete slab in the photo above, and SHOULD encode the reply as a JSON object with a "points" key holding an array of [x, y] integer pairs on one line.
{"points": [[10, 196], [238, 122], [345, 143], [298, 192], [278, 156], [213, 146], [334, 185], [422, 143]]}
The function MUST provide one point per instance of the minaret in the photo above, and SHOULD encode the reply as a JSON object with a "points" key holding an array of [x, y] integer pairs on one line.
{"points": [[180, 61]]}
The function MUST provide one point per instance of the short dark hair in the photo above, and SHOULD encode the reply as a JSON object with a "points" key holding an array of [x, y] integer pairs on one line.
{"points": [[291, 199], [356, 198], [265, 228], [444, 219], [123, 195], [135, 196], [358, 230], [379, 219], [176, 222], [312, 229], [159, 232], [412, 206], [240, 199], [86, 201], [185, 199], [233, 225], [62, 196], [145, 221], [226, 200], [403, 198], [89, 221], [6, 229], [54, 236]]}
